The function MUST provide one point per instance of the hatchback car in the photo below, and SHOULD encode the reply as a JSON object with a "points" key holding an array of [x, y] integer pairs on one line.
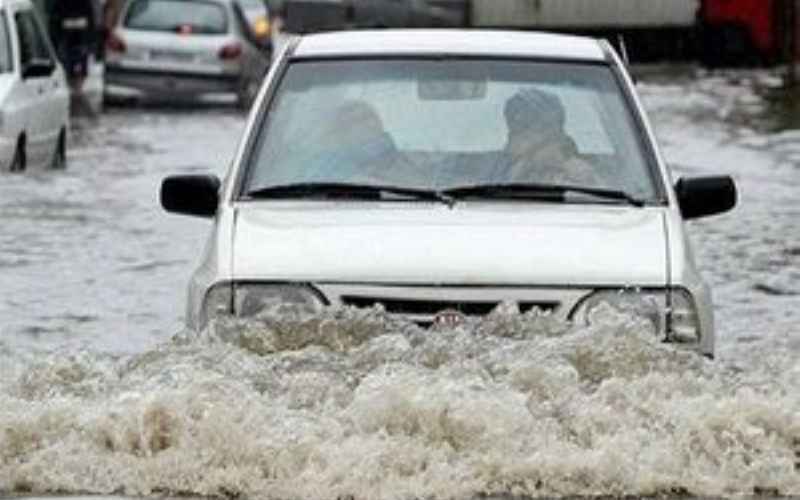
{"points": [[34, 96], [183, 49], [443, 173]]}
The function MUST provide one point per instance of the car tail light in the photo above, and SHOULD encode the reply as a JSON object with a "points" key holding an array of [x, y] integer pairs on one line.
{"points": [[115, 43], [230, 51]]}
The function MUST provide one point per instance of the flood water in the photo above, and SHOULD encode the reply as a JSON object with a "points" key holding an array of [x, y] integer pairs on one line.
{"points": [[101, 391]]}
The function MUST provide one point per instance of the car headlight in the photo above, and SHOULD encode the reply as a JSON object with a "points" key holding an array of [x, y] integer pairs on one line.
{"points": [[246, 300], [672, 313]]}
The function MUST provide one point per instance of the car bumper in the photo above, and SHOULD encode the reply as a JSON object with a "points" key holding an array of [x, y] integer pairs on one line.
{"points": [[125, 82]]}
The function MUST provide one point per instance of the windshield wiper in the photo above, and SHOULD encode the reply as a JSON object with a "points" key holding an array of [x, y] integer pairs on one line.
{"points": [[338, 190], [533, 191]]}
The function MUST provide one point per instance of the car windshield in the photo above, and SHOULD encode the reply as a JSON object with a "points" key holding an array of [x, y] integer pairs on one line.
{"points": [[450, 123], [5, 46], [177, 15]]}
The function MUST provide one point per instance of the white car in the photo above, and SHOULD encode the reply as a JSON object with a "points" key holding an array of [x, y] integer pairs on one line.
{"points": [[443, 173], [34, 96], [183, 49]]}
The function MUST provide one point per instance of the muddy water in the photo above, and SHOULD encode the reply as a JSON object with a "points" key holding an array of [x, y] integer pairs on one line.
{"points": [[101, 391]]}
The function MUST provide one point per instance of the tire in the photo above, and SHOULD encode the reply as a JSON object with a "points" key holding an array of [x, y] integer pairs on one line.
{"points": [[59, 160], [18, 161]]}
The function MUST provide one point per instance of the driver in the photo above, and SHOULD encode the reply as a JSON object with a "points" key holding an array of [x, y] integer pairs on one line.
{"points": [[538, 150], [357, 148]]}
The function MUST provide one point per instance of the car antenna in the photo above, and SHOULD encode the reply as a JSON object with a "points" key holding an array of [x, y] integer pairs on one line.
{"points": [[623, 49]]}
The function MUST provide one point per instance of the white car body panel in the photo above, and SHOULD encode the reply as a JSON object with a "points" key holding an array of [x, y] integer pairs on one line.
{"points": [[513, 244], [196, 54], [432, 42]]}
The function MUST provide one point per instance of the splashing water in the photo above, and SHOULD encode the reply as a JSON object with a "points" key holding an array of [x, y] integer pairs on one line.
{"points": [[352, 403]]}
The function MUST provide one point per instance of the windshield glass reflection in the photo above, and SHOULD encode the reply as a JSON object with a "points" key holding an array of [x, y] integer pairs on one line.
{"points": [[443, 124]]}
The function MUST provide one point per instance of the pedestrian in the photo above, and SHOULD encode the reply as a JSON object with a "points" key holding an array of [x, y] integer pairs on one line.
{"points": [[111, 12], [73, 30]]}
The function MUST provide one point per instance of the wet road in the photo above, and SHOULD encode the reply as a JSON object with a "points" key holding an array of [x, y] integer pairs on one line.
{"points": [[97, 394], [87, 255]]}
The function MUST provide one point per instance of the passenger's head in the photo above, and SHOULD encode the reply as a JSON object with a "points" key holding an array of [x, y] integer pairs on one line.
{"points": [[533, 116], [356, 118]]}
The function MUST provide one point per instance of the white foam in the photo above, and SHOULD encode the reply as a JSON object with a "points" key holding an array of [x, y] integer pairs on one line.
{"points": [[358, 405]]}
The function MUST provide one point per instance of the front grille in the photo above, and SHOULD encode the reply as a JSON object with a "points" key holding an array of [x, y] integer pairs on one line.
{"points": [[421, 303], [416, 307]]}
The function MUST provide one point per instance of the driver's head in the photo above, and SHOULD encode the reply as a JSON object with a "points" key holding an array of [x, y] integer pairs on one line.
{"points": [[358, 119], [533, 116]]}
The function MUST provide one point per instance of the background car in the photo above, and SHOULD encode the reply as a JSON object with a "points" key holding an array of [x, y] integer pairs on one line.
{"points": [[183, 49], [34, 96]]}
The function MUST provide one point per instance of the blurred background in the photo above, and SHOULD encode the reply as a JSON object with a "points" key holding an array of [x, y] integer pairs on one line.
{"points": [[709, 33]]}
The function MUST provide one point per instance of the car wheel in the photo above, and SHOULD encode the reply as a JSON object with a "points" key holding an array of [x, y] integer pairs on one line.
{"points": [[59, 160], [18, 160]]}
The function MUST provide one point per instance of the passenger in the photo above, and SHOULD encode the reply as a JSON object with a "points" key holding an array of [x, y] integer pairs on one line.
{"points": [[538, 149]]}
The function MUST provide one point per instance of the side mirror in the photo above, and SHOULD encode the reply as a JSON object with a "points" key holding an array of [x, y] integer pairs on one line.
{"points": [[704, 196], [196, 195], [38, 68]]}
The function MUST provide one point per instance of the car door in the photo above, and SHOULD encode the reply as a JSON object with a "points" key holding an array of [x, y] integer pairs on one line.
{"points": [[56, 90], [35, 87], [13, 95]]}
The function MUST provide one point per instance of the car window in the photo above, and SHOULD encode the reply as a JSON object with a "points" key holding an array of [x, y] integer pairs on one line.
{"points": [[177, 16], [440, 124], [32, 44], [5, 45], [253, 5]]}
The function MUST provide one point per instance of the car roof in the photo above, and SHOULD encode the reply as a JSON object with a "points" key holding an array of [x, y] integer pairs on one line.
{"points": [[450, 42]]}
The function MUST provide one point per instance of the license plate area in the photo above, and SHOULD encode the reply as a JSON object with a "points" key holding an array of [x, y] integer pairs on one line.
{"points": [[172, 56]]}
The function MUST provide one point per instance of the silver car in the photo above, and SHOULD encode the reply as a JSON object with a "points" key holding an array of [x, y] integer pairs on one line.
{"points": [[183, 49], [444, 173]]}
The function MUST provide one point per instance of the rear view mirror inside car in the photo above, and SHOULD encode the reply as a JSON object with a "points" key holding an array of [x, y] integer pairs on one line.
{"points": [[440, 85]]}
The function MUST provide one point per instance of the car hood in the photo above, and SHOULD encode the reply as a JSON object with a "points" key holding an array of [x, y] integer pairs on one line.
{"points": [[470, 244]]}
